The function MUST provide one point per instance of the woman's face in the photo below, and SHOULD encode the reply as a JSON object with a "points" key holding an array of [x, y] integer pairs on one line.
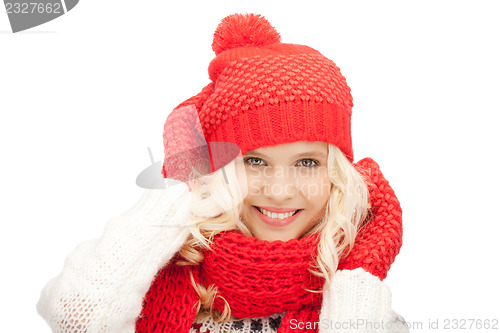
{"points": [[289, 178]]}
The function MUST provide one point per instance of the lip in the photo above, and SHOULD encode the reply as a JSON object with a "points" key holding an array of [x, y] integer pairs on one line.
{"points": [[279, 210], [277, 222]]}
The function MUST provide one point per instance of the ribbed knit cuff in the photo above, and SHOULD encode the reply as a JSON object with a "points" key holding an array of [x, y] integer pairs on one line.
{"points": [[288, 122]]}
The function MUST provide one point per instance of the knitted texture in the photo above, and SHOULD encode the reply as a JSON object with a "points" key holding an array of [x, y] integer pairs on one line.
{"points": [[186, 149], [271, 99], [158, 313], [263, 92], [104, 284], [358, 295], [101, 286], [378, 243], [259, 278], [269, 324], [355, 295]]}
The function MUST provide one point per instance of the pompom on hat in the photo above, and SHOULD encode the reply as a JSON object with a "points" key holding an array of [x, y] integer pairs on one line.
{"points": [[262, 92]]}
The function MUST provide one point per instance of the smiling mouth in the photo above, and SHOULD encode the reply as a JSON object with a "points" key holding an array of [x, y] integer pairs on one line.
{"points": [[276, 215]]}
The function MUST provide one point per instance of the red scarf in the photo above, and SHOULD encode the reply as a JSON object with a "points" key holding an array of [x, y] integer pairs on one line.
{"points": [[259, 278]]}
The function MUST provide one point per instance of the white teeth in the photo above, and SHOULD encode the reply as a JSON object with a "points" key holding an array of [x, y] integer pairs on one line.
{"points": [[280, 216]]}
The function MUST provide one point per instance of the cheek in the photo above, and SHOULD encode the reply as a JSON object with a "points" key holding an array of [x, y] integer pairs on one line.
{"points": [[316, 189], [254, 186], [247, 206], [318, 201]]}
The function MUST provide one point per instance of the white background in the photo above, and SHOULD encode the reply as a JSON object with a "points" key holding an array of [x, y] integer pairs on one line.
{"points": [[83, 96]]}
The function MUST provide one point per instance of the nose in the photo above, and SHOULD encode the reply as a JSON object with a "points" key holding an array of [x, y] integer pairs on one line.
{"points": [[280, 187]]}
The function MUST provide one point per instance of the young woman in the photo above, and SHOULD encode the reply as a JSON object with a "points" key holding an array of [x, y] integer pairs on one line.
{"points": [[273, 228]]}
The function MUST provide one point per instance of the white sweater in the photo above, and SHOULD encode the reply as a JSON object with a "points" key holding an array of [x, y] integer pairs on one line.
{"points": [[103, 282]]}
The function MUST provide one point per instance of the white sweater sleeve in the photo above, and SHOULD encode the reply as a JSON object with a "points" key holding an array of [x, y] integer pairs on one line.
{"points": [[358, 301], [103, 281]]}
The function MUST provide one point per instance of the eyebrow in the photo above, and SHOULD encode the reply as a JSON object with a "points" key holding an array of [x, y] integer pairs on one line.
{"points": [[306, 154]]}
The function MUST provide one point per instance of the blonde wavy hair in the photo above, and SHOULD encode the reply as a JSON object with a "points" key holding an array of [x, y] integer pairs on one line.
{"points": [[215, 208]]}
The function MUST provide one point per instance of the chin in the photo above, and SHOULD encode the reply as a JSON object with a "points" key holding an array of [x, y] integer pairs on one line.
{"points": [[271, 236]]}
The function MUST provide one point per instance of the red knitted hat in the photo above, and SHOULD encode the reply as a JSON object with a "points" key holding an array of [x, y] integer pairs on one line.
{"points": [[262, 92]]}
